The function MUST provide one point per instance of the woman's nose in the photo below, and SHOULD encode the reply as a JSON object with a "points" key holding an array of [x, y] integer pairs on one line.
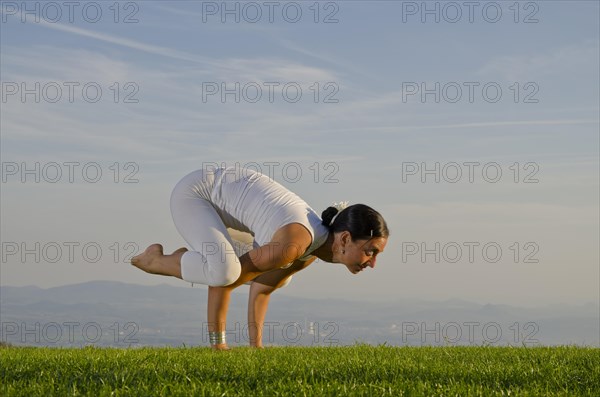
{"points": [[371, 263]]}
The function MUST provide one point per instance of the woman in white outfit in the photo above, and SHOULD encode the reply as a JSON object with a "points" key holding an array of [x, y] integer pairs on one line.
{"points": [[288, 236]]}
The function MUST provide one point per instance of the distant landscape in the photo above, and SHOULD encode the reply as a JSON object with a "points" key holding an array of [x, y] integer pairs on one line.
{"points": [[103, 313]]}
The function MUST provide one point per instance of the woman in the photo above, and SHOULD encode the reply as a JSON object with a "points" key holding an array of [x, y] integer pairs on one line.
{"points": [[288, 236]]}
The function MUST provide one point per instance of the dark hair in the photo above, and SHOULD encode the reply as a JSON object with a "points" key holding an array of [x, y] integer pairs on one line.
{"points": [[358, 219]]}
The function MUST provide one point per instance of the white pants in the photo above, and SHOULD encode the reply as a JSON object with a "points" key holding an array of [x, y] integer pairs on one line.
{"points": [[214, 256], [212, 259]]}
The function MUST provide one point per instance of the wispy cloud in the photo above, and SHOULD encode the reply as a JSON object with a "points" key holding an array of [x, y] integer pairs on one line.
{"points": [[340, 64], [408, 128], [129, 43], [563, 61]]}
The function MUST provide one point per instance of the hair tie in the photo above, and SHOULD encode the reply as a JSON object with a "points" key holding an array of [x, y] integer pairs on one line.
{"points": [[342, 205]]}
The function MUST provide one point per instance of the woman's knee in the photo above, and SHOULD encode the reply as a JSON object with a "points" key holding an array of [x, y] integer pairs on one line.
{"points": [[199, 268], [227, 275]]}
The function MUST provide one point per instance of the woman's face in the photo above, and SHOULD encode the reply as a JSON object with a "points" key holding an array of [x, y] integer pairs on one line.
{"points": [[360, 254]]}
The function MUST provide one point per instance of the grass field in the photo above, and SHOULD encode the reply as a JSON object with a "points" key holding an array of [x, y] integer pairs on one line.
{"points": [[298, 371]]}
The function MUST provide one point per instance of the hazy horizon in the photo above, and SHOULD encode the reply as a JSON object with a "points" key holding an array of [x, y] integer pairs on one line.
{"points": [[167, 315]]}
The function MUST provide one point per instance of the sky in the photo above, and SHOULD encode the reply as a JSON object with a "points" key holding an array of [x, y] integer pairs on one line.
{"points": [[471, 126]]}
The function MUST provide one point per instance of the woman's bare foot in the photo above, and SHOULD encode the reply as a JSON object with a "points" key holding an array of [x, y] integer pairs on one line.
{"points": [[149, 260], [153, 261]]}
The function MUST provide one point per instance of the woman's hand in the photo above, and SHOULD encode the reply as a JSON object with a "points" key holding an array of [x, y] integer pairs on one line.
{"points": [[222, 346]]}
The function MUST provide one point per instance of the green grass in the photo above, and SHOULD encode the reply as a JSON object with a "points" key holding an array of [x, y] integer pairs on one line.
{"points": [[316, 371]]}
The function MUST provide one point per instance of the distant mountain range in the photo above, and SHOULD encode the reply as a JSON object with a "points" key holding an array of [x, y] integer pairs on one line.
{"points": [[104, 313]]}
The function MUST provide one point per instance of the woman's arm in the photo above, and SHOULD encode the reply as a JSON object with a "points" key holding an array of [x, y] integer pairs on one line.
{"points": [[218, 302], [288, 243], [260, 292], [258, 302], [218, 298]]}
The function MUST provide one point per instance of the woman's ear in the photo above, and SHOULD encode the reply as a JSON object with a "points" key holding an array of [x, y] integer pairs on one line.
{"points": [[345, 237]]}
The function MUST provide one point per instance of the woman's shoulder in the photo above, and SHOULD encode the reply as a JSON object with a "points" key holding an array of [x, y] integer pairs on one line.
{"points": [[294, 237], [293, 232]]}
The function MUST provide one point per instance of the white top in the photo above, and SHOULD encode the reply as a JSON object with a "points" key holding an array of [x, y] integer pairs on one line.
{"points": [[252, 202]]}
